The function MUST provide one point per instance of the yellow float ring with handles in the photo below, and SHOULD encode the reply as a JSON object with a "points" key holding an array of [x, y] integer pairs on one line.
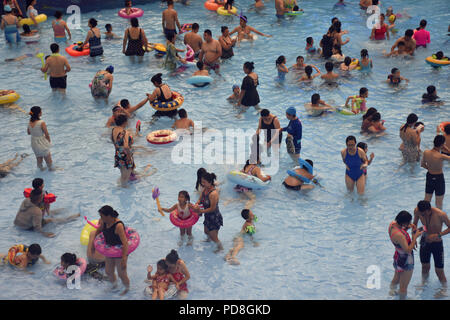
{"points": [[13, 251], [355, 63], [87, 229], [39, 19], [175, 103], [223, 12], [9, 98]]}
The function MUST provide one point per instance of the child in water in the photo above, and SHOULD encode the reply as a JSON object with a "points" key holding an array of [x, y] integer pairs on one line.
{"points": [[28, 257], [399, 52], [236, 92], [319, 105], [109, 35], [330, 76], [67, 260], [202, 71], [160, 280], [364, 146], [183, 212], [247, 228], [431, 96], [376, 125], [365, 63], [395, 78], [392, 29], [310, 49], [281, 67], [358, 101]]}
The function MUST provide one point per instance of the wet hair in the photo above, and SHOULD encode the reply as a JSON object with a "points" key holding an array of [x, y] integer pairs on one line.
{"points": [[447, 129], [26, 28], [54, 47], [157, 78], [208, 32], [200, 65], [69, 258], [403, 217], [93, 22], [409, 33], [127, 3], [363, 90], [172, 257], [169, 2], [362, 145], [134, 22], [430, 95], [350, 138], [124, 103], [337, 26], [438, 141], [223, 28], [195, 26], [249, 66], [376, 116], [329, 66], [431, 89], [439, 55], [315, 98], [299, 57], [308, 71], [34, 113], [309, 40], [265, 113], [108, 211], [200, 173], [182, 113], [394, 70], [423, 24], [185, 194], [371, 111], [310, 162], [35, 249], [295, 8], [412, 118], [58, 14], [245, 213], [121, 119], [382, 15], [35, 195], [162, 264], [338, 48], [347, 61], [423, 205], [280, 60], [334, 19], [37, 183], [364, 53], [108, 27], [401, 43], [210, 177], [28, 3]]}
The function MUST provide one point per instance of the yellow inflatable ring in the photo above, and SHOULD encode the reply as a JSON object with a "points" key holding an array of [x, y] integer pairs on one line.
{"points": [[160, 47], [39, 19], [175, 103], [223, 12], [162, 137], [13, 251], [9, 98], [437, 63], [87, 229], [355, 63]]}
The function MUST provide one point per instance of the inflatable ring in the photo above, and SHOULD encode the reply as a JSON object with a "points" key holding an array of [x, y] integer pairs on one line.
{"points": [[437, 63], [255, 37], [170, 292], [33, 38], [160, 48], [315, 112], [9, 98], [346, 111], [183, 223], [74, 53], [116, 251], [200, 81], [136, 13], [162, 137], [60, 272], [175, 103], [223, 12], [293, 13], [189, 53], [48, 198], [86, 231], [39, 19], [150, 47], [186, 28], [13, 251], [443, 124], [211, 5], [355, 63], [246, 180]]}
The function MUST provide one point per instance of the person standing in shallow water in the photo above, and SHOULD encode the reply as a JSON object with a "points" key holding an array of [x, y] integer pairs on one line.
{"points": [[123, 158], [249, 95], [40, 139], [355, 160], [411, 139]]}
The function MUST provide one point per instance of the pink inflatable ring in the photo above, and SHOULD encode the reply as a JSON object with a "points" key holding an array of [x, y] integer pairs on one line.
{"points": [[116, 251], [186, 223], [136, 13], [61, 273]]}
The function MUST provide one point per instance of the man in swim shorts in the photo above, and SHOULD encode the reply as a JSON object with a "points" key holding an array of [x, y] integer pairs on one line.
{"points": [[211, 52], [432, 160], [432, 220], [59, 66], [194, 40], [280, 8], [170, 20]]}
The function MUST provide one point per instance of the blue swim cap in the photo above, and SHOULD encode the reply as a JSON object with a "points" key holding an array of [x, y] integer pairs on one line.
{"points": [[234, 87], [7, 8], [110, 69], [291, 111]]}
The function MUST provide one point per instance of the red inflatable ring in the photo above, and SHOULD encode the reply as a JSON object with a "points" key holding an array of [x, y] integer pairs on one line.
{"points": [[74, 53], [48, 198], [443, 124], [186, 223], [162, 137], [211, 5]]}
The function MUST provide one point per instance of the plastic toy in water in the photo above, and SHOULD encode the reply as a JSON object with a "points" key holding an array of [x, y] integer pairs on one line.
{"points": [[155, 196]]}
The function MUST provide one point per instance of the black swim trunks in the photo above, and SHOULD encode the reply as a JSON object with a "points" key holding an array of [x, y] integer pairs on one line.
{"points": [[168, 32], [296, 188], [435, 248], [58, 83], [435, 183]]}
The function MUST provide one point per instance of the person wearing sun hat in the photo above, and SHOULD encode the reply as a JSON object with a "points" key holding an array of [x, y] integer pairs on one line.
{"points": [[10, 24], [101, 85], [294, 137]]}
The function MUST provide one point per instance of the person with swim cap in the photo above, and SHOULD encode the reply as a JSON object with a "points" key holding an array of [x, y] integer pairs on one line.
{"points": [[294, 137], [294, 182]]}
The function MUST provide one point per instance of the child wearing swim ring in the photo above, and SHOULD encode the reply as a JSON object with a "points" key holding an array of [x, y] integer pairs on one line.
{"points": [[183, 212], [28, 257], [395, 78], [202, 71], [247, 228], [439, 56], [358, 101], [317, 104], [347, 65], [67, 260], [161, 279]]}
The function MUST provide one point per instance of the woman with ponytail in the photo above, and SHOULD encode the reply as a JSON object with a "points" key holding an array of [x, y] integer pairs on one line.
{"points": [[40, 139], [249, 95], [411, 139], [180, 273]]}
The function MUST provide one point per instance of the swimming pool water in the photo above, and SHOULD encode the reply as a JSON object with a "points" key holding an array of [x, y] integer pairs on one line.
{"points": [[315, 245]]}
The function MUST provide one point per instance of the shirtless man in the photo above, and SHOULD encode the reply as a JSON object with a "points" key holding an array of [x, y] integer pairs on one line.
{"points": [[432, 161], [59, 66], [330, 76], [244, 31], [432, 220], [410, 43], [184, 122], [211, 51], [170, 20], [193, 39], [280, 8]]}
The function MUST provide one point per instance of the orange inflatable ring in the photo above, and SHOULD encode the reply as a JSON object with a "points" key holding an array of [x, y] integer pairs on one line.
{"points": [[443, 124], [74, 53], [212, 6], [162, 137], [13, 251], [48, 198]]}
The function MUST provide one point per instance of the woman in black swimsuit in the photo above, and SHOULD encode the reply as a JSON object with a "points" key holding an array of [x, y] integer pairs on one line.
{"points": [[249, 95], [134, 47]]}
